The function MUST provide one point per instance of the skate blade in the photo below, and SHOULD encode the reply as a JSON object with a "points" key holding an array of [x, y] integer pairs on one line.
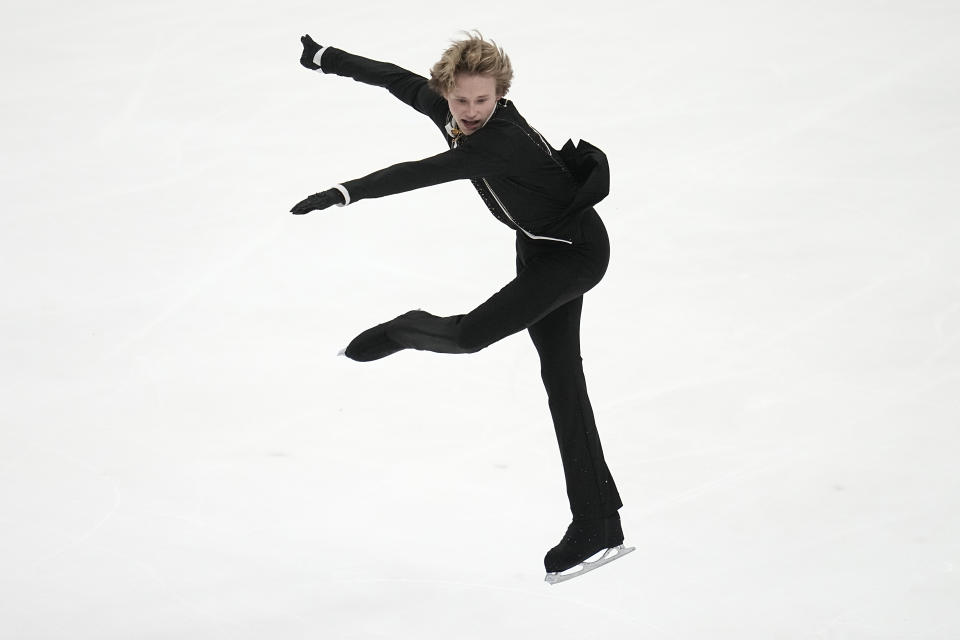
{"points": [[611, 554]]}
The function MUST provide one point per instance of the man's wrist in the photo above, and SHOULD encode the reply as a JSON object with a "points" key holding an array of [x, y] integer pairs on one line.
{"points": [[316, 59], [343, 192]]}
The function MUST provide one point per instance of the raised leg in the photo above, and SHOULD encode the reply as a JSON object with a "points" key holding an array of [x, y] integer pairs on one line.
{"points": [[541, 286]]}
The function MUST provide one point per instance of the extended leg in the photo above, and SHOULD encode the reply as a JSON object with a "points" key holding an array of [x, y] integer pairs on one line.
{"points": [[541, 286]]}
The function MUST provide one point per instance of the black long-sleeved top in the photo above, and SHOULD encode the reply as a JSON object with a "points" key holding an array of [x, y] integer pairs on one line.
{"points": [[526, 184]]}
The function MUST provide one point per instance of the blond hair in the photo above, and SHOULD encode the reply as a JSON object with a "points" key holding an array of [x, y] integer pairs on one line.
{"points": [[473, 56]]}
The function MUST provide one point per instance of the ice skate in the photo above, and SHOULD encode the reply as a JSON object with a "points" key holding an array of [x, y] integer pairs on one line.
{"points": [[588, 544], [375, 343]]}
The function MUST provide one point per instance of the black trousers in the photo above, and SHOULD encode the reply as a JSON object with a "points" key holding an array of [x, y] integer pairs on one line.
{"points": [[546, 299]]}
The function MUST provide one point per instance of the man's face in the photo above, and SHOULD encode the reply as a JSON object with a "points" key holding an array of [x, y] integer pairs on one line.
{"points": [[472, 101]]}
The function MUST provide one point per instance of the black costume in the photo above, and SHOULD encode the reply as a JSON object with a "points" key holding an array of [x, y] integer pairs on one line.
{"points": [[546, 196]]}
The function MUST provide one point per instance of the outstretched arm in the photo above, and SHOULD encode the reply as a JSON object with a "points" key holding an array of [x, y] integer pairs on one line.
{"points": [[492, 151], [405, 85]]}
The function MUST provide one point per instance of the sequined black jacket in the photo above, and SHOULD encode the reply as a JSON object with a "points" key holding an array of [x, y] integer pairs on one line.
{"points": [[527, 184]]}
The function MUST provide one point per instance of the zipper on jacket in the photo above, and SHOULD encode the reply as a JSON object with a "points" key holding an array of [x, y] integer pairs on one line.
{"points": [[507, 213], [455, 142]]}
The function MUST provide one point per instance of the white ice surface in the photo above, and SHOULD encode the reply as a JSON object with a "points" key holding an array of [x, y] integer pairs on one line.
{"points": [[773, 356]]}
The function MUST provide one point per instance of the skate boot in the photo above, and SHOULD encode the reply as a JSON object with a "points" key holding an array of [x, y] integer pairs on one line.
{"points": [[375, 343], [585, 538]]}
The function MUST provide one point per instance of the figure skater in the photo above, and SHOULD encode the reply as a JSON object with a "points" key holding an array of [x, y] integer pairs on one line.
{"points": [[546, 197]]}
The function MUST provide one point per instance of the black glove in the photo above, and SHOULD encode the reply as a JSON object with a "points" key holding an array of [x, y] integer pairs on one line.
{"points": [[310, 49], [318, 201]]}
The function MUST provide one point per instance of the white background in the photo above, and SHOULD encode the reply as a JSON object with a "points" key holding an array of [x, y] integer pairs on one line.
{"points": [[773, 356]]}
